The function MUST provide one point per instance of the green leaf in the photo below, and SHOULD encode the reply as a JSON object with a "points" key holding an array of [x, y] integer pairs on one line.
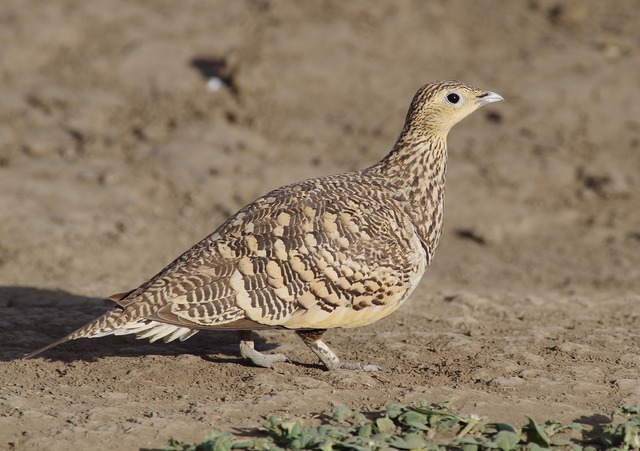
{"points": [[448, 423], [366, 430], [220, 444], [405, 431], [359, 419], [273, 422], [415, 420], [384, 424], [502, 427], [552, 427], [395, 410], [535, 434], [248, 444], [629, 410], [444, 405], [470, 443], [408, 441], [292, 429], [342, 413], [433, 412], [506, 440], [577, 427], [176, 445]]}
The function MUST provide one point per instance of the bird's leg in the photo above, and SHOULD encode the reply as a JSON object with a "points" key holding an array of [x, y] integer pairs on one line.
{"points": [[311, 338], [247, 350]]}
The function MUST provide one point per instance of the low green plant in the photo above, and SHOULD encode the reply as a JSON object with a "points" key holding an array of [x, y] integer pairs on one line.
{"points": [[422, 426], [625, 434]]}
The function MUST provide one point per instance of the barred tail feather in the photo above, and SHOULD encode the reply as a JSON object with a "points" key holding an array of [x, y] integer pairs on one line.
{"points": [[115, 322], [104, 325], [156, 330]]}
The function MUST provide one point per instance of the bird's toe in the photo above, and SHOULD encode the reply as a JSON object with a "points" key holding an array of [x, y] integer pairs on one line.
{"points": [[268, 360], [359, 366]]}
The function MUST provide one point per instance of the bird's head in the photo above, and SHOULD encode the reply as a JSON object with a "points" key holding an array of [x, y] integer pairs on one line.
{"points": [[437, 107]]}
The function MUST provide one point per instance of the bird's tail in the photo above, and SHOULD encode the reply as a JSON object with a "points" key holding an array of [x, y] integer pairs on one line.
{"points": [[104, 325]]}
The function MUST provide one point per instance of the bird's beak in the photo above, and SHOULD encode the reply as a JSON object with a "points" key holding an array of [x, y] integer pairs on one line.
{"points": [[489, 97]]}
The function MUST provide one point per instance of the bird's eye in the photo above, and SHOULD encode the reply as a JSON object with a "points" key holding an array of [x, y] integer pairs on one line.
{"points": [[453, 98]]}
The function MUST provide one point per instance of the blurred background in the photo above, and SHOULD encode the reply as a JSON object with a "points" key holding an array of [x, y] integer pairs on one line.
{"points": [[130, 130]]}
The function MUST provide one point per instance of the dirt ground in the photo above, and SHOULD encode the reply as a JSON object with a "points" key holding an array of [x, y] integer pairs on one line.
{"points": [[115, 158]]}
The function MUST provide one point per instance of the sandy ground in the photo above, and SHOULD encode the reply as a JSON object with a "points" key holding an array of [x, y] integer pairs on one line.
{"points": [[115, 158]]}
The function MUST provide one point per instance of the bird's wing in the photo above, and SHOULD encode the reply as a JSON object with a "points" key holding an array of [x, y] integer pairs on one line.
{"points": [[318, 254]]}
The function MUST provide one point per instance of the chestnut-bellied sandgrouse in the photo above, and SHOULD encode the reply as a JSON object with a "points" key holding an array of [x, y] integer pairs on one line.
{"points": [[339, 251]]}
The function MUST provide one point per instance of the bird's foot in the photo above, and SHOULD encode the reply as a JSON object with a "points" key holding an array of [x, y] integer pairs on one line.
{"points": [[248, 351], [267, 360], [327, 356], [358, 366]]}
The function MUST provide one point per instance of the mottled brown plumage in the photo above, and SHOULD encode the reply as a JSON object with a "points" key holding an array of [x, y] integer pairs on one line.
{"points": [[337, 251]]}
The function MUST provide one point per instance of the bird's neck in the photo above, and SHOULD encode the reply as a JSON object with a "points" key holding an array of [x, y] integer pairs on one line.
{"points": [[416, 167]]}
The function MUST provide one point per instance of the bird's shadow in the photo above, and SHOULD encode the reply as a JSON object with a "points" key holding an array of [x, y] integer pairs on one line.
{"points": [[31, 318], [597, 422]]}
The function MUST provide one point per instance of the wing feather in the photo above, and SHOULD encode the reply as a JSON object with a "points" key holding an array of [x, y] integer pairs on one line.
{"points": [[331, 254]]}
